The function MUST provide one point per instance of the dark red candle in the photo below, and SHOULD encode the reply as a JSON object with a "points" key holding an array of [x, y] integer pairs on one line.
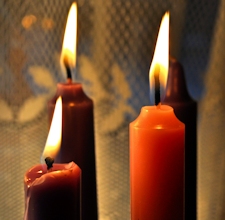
{"points": [[78, 140], [78, 143], [52, 195], [52, 191], [185, 109]]}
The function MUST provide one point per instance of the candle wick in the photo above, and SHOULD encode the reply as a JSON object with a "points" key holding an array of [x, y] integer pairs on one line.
{"points": [[68, 71], [69, 81], [49, 162], [159, 105], [157, 83]]}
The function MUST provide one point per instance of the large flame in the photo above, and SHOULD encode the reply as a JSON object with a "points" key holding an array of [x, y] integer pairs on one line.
{"points": [[160, 61], [68, 55], [53, 142]]}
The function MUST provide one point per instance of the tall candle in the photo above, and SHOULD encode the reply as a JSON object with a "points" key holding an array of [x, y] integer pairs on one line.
{"points": [[52, 191], [157, 153], [185, 109], [78, 142]]}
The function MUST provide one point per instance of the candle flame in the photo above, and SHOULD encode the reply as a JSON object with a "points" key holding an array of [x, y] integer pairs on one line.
{"points": [[53, 142], [68, 55], [160, 61]]}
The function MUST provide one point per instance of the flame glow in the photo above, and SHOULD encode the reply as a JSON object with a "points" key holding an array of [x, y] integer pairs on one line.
{"points": [[53, 142], [160, 61], [68, 54]]}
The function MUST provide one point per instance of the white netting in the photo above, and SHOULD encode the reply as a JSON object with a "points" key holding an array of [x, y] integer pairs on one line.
{"points": [[115, 45]]}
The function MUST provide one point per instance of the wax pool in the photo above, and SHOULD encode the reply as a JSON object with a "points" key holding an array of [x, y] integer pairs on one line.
{"points": [[157, 165], [78, 140], [54, 194]]}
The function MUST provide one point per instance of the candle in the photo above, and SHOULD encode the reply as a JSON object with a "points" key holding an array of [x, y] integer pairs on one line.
{"points": [[52, 195], [78, 124], [157, 153], [186, 111], [52, 191]]}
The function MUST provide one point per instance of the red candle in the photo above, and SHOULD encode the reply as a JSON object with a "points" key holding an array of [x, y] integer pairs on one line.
{"points": [[78, 140], [157, 165], [185, 108], [77, 127], [157, 151], [54, 194], [52, 191]]}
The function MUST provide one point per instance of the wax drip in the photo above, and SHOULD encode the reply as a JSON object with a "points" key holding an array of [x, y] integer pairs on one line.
{"points": [[49, 162], [157, 84]]}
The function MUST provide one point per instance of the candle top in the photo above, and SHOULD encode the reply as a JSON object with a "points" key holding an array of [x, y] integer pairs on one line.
{"points": [[157, 117], [38, 174], [71, 92], [51, 185], [176, 90]]}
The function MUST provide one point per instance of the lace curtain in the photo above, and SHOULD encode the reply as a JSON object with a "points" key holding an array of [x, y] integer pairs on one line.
{"points": [[116, 41]]}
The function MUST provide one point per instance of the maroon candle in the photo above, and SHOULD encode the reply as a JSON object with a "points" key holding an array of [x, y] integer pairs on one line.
{"points": [[186, 111], [54, 194], [78, 140], [78, 143], [52, 191]]}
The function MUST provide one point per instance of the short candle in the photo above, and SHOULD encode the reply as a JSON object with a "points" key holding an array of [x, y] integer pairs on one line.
{"points": [[52, 191]]}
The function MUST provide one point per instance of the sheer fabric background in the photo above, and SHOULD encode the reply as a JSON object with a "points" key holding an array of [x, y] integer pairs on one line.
{"points": [[115, 46]]}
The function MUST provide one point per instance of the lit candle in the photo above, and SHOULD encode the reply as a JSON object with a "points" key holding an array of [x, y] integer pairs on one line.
{"points": [[52, 191], [78, 122], [157, 150], [185, 109]]}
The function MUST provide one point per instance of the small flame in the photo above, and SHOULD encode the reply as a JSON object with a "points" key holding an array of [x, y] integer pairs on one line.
{"points": [[160, 61], [53, 142], [68, 55]]}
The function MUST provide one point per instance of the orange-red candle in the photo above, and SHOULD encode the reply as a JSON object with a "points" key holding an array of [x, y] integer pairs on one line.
{"points": [[157, 149], [157, 165]]}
